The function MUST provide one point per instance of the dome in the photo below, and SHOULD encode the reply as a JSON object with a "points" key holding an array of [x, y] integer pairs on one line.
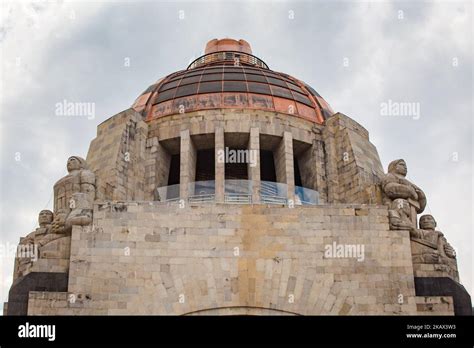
{"points": [[229, 76]]}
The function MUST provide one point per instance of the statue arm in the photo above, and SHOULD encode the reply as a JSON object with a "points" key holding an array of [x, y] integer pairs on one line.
{"points": [[87, 181], [48, 238], [88, 184], [416, 233], [421, 199], [29, 239], [444, 248], [395, 190]]}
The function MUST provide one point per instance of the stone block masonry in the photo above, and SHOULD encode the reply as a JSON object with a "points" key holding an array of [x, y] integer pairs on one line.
{"points": [[158, 258]]}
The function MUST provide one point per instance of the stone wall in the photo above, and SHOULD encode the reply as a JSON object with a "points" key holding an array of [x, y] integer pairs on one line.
{"points": [[157, 258], [434, 305], [313, 169], [117, 157], [353, 165], [129, 159], [156, 168]]}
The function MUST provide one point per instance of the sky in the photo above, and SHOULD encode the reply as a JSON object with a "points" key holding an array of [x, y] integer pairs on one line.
{"points": [[363, 57]]}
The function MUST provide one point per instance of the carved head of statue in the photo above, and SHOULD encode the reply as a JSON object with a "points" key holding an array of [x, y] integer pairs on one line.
{"points": [[75, 163], [427, 222], [45, 217], [401, 204], [398, 166]]}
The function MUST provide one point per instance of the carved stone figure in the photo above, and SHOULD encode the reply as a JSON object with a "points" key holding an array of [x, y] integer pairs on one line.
{"points": [[399, 215], [431, 245], [79, 180], [59, 223], [27, 251], [81, 213], [395, 185], [74, 195]]}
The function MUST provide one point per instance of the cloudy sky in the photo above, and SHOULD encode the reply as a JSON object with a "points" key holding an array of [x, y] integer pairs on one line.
{"points": [[358, 55]]}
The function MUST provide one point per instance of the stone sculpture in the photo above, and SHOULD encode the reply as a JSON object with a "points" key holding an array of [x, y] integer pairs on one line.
{"points": [[28, 248], [396, 186], [431, 245], [399, 215], [74, 195]]}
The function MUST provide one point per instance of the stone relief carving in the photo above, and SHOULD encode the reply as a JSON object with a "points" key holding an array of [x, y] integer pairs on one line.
{"points": [[405, 201], [396, 186], [74, 195], [399, 215], [431, 245], [28, 248]]}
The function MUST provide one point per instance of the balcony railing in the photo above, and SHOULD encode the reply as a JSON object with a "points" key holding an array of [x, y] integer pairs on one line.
{"points": [[202, 191], [238, 192], [273, 192], [236, 58]]}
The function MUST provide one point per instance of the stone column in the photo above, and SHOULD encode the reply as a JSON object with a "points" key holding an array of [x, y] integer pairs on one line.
{"points": [[187, 168], [329, 135], [254, 167], [157, 167], [312, 169], [284, 165], [321, 184], [219, 164]]}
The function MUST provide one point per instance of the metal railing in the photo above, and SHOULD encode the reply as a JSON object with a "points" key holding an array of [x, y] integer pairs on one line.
{"points": [[238, 192], [202, 191], [236, 58], [273, 192]]}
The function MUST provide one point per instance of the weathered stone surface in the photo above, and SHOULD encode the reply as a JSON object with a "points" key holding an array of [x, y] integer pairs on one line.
{"points": [[117, 157], [431, 250], [18, 296], [352, 164], [396, 186], [444, 286], [74, 196], [399, 215], [220, 256], [132, 255]]}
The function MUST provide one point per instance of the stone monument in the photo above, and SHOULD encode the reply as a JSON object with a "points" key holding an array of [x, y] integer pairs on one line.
{"points": [[395, 185], [155, 223]]}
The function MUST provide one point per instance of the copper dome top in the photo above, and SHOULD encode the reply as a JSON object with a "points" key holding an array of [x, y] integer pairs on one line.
{"points": [[229, 76]]}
